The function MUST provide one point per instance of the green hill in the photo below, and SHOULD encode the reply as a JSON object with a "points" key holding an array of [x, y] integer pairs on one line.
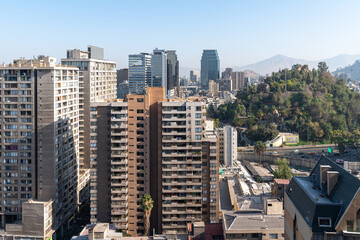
{"points": [[314, 103]]}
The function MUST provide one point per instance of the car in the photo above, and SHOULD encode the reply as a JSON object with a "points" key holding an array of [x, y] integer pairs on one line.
{"points": [[339, 161], [273, 153], [296, 150], [311, 154]]}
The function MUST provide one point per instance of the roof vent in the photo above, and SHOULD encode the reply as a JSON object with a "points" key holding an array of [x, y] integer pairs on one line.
{"points": [[323, 170], [332, 180]]}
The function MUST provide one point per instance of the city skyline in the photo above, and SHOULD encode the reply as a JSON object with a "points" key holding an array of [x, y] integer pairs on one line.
{"points": [[277, 24]]}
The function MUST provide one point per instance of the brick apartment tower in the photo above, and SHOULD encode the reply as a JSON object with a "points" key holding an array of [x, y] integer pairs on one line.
{"points": [[149, 145]]}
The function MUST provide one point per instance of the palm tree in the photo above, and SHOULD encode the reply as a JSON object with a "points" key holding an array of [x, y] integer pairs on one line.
{"points": [[259, 149], [147, 204]]}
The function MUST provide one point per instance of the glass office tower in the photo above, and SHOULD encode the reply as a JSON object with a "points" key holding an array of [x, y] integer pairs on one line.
{"points": [[210, 67], [139, 72]]}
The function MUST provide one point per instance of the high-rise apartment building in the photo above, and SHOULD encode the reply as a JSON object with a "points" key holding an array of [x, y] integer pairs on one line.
{"points": [[97, 81], [194, 76], [227, 145], [173, 80], [189, 167], [238, 80], [120, 159], [157, 147], [159, 69], [39, 144], [210, 67], [227, 73], [139, 73]]}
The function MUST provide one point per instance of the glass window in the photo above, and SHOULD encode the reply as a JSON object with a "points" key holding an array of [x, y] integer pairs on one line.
{"points": [[273, 236]]}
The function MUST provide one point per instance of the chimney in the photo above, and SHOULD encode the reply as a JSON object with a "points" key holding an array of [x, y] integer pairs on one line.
{"points": [[332, 180], [323, 170]]}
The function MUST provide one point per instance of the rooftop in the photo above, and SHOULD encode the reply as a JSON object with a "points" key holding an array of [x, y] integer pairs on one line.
{"points": [[282, 181], [252, 221]]}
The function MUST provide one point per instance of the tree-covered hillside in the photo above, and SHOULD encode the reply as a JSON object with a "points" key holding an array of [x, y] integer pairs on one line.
{"points": [[313, 103]]}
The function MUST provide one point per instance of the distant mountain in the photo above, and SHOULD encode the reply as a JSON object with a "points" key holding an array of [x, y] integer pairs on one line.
{"points": [[277, 62], [349, 72]]}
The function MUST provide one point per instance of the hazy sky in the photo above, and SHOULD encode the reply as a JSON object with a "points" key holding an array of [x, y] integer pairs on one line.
{"points": [[242, 31]]}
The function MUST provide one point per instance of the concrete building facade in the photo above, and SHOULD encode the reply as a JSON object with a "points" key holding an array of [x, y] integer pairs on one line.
{"points": [[97, 81], [227, 145], [120, 169], [189, 167], [324, 205], [194, 76], [157, 147], [238, 80], [40, 139]]}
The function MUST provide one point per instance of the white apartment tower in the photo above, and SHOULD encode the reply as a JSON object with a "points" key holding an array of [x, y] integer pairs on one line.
{"points": [[97, 81], [227, 145]]}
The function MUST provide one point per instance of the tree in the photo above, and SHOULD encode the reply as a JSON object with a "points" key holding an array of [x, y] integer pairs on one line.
{"points": [[323, 67], [216, 123], [283, 170], [259, 149], [147, 204]]}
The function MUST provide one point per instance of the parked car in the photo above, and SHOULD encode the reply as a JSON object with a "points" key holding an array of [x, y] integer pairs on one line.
{"points": [[312, 154], [339, 161], [296, 151], [273, 153]]}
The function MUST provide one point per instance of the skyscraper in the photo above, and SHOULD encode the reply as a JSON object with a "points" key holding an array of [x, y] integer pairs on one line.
{"points": [[159, 68], [40, 144], [139, 73], [122, 82], [172, 72], [97, 81], [210, 67], [194, 76]]}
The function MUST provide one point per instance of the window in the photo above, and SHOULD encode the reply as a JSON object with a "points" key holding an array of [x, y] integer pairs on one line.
{"points": [[350, 225], [140, 111], [273, 236], [197, 115], [324, 222], [198, 130], [197, 137], [140, 100]]}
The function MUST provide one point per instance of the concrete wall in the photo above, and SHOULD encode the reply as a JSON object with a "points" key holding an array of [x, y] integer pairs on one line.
{"points": [[303, 231], [307, 163]]}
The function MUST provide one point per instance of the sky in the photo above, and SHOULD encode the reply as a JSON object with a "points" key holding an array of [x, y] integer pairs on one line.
{"points": [[242, 31]]}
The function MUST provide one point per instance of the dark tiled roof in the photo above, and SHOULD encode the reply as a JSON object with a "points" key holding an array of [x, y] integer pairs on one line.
{"points": [[312, 203]]}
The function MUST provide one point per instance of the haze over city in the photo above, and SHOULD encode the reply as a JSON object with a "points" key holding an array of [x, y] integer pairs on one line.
{"points": [[243, 32], [180, 120]]}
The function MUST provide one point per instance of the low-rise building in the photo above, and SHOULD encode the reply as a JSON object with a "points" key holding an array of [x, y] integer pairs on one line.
{"points": [[325, 205], [279, 187], [265, 221]]}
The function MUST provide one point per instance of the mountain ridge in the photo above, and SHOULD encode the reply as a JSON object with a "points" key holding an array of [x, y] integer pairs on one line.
{"points": [[279, 61]]}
